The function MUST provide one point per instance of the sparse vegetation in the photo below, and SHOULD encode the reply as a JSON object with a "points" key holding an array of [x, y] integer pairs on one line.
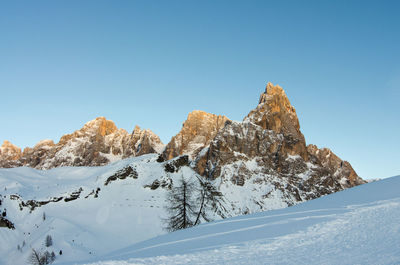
{"points": [[181, 206], [187, 204], [39, 258], [49, 241], [210, 199]]}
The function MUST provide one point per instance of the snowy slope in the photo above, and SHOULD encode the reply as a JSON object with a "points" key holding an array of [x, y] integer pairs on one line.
{"points": [[87, 217], [124, 212], [360, 225]]}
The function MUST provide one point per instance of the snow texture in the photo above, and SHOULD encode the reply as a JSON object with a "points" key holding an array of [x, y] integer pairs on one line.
{"points": [[356, 226], [114, 218]]}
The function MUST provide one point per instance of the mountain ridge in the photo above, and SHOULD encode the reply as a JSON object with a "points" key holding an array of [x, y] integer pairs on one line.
{"points": [[97, 143], [258, 164]]}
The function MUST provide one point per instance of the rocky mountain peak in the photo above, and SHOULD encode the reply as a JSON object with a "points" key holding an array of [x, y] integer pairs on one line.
{"points": [[100, 126], [136, 130], [9, 151], [44, 144], [197, 131], [274, 112], [268, 148], [98, 142], [145, 141], [328, 160]]}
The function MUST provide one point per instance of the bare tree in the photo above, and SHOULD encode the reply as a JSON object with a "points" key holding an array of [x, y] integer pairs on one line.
{"points": [[35, 258], [210, 200], [38, 258], [46, 257], [181, 206]]}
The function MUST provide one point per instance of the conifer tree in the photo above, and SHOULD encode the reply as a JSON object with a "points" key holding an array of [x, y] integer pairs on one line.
{"points": [[181, 206]]}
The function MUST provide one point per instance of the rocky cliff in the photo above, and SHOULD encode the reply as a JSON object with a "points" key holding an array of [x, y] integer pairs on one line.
{"points": [[267, 149], [265, 153], [196, 133], [274, 112], [9, 155], [97, 143], [258, 164]]}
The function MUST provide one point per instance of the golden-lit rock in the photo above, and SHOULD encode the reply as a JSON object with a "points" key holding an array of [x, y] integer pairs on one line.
{"points": [[9, 155], [197, 131], [97, 143], [268, 147], [274, 112], [336, 166]]}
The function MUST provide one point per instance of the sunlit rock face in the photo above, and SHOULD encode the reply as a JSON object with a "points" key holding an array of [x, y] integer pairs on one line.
{"points": [[258, 164], [9, 155], [97, 143], [274, 112], [197, 131], [268, 148], [336, 167]]}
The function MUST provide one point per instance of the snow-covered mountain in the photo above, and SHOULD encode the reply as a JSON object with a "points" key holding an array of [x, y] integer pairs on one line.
{"points": [[261, 163], [356, 226], [99, 142]]}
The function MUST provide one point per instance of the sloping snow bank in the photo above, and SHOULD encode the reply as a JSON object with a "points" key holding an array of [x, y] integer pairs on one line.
{"points": [[356, 226]]}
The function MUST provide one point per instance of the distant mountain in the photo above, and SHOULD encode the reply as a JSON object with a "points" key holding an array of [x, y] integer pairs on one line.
{"points": [[99, 142]]}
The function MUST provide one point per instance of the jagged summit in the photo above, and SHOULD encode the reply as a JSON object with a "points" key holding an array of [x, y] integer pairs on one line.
{"points": [[268, 144], [268, 149], [43, 143], [274, 112], [98, 142], [197, 131], [100, 125], [9, 153], [258, 164]]}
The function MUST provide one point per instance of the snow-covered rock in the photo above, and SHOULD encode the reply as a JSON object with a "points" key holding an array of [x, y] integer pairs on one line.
{"points": [[266, 157], [261, 163], [9, 154], [97, 143]]}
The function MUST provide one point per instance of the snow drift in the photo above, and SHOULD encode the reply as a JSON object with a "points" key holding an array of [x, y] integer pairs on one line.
{"points": [[356, 226]]}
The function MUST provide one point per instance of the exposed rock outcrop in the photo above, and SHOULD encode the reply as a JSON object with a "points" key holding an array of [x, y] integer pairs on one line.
{"points": [[336, 167], [196, 133], [274, 112], [266, 154], [97, 143], [9, 155], [268, 147], [4, 222]]}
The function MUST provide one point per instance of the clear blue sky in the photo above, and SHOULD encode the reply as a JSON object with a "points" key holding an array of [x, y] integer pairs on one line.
{"points": [[63, 63]]}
